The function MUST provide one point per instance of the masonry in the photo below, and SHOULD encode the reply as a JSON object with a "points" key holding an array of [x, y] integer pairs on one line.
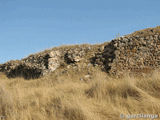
{"points": [[40, 64], [138, 52]]}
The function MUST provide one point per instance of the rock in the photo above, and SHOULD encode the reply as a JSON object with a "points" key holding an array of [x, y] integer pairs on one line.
{"points": [[81, 79], [75, 55], [87, 76], [54, 60], [137, 52], [126, 53]]}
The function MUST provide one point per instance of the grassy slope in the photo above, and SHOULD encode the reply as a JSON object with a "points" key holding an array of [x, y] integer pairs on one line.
{"points": [[68, 94], [73, 96], [146, 32]]}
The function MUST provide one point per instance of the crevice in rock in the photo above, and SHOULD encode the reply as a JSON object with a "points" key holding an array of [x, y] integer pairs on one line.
{"points": [[46, 58], [105, 58], [68, 60]]}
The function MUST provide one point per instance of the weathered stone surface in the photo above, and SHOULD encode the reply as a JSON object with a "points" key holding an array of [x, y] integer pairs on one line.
{"points": [[33, 66], [132, 53], [54, 60], [137, 52], [40, 64], [75, 55], [21, 69]]}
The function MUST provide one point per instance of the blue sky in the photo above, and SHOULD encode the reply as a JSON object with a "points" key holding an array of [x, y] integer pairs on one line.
{"points": [[29, 26]]}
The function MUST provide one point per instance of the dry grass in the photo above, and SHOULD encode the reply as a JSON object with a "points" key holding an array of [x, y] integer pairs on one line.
{"points": [[71, 96], [147, 32]]}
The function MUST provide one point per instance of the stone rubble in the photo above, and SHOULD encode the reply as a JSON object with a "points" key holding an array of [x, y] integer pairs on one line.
{"points": [[37, 65], [136, 53], [131, 53]]}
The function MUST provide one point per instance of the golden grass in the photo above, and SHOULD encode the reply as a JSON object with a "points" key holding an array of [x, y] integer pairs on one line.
{"points": [[146, 32], [71, 96]]}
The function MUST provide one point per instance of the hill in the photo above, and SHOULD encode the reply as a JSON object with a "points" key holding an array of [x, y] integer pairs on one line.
{"points": [[137, 52], [85, 82]]}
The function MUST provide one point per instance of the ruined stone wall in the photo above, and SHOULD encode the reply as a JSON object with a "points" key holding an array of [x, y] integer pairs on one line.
{"points": [[133, 53], [137, 52], [37, 65]]}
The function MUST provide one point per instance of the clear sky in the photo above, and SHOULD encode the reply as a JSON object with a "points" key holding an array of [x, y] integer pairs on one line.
{"points": [[29, 26]]}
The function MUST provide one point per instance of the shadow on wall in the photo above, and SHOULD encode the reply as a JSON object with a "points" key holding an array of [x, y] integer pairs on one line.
{"points": [[105, 58], [25, 72]]}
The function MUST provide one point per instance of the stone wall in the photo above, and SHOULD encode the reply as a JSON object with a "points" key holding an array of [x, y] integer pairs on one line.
{"points": [[39, 64], [33, 66], [136, 53]]}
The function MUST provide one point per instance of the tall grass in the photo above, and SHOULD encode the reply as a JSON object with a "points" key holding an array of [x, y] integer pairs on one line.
{"points": [[76, 97]]}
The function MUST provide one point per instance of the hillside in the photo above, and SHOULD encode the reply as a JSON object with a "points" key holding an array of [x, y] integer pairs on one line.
{"points": [[85, 82], [135, 53]]}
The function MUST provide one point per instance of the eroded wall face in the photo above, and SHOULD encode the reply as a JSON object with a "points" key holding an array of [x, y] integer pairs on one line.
{"points": [[132, 53], [37, 65], [137, 52], [33, 66]]}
